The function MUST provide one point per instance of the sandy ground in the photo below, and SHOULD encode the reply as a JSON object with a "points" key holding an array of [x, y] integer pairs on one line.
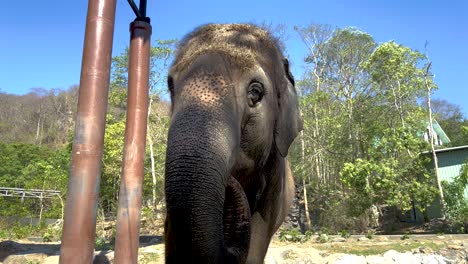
{"points": [[449, 249]]}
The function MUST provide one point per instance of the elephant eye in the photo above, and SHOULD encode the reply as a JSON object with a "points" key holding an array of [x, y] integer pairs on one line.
{"points": [[255, 93]]}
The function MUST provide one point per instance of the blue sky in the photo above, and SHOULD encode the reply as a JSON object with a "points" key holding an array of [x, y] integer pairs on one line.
{"points": [[41, 41]]}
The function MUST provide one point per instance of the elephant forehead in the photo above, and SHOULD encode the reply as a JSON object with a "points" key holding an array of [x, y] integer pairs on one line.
{"points": [[241, 44], [205, 89]]}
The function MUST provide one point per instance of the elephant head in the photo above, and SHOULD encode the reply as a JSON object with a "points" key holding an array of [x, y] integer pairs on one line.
{"points": [[234, 109]]}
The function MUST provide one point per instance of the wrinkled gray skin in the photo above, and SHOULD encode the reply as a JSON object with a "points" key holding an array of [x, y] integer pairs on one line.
{"points": [[228, 183]]}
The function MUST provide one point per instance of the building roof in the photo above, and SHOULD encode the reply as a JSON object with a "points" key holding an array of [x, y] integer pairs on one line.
{"points": [[440, 132], [447, 149]]}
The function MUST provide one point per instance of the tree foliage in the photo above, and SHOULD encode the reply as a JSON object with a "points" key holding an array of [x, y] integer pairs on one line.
{"points": [[43, 122], [42, 117], [455, 199], [452, 121], [363, 123], [31, 166], [363, 106]]}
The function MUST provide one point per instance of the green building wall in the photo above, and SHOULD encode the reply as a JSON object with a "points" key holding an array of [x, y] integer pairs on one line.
{"points": [[450, 162]]}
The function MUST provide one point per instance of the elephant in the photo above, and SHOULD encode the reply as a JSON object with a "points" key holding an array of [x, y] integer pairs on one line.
{"points": [[234, 115]]}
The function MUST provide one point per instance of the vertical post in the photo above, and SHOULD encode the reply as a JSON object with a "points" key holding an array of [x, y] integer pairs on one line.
{"points": [[143, 8], [79, 228], [128, 216]]}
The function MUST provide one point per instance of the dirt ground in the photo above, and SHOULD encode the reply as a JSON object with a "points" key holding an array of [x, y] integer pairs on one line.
{"points": [[355, 249]]}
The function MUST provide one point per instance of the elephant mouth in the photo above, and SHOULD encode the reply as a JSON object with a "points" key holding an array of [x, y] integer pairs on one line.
{"points": [[236, 218]]}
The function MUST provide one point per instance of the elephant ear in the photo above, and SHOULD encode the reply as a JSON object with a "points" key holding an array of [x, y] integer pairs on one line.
{"points": [[289, 122]]}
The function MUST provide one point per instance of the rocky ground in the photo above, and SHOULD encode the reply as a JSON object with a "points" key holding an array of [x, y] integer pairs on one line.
{"points": [[355, 249]]}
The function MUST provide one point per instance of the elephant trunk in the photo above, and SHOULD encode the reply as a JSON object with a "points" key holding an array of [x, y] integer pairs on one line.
{"points": [[207, 212]]}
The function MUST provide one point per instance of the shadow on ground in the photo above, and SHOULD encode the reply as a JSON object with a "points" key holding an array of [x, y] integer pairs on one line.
{"points": [[44, 250]]}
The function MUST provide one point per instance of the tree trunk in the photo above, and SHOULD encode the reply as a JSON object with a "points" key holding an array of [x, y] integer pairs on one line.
{"points": [[153, 172], [38, 129], [42, 209], [431, 138], [306, 206], [41, 131], [63, 206], [41, 201], [150, 141]]}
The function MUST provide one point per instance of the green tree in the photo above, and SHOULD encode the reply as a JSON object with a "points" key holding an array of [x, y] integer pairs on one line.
{"points": [[112, 163], [331, 100], [362, 123], [160, 55], [50, 173], [452, 121], [456, 201], [33, 167], [393, 173], [391, 176]]}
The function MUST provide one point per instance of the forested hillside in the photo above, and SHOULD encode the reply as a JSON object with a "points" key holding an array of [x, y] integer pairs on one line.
{"points": [[36, 134], [364, 106]]}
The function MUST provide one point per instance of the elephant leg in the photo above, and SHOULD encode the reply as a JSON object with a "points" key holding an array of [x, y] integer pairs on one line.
{"points": [[288, 191], [259, 239], [264, 227]]}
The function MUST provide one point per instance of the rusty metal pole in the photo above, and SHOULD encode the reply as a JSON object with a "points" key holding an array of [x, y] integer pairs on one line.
{"points": [[128, 216], [79, 228]]}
